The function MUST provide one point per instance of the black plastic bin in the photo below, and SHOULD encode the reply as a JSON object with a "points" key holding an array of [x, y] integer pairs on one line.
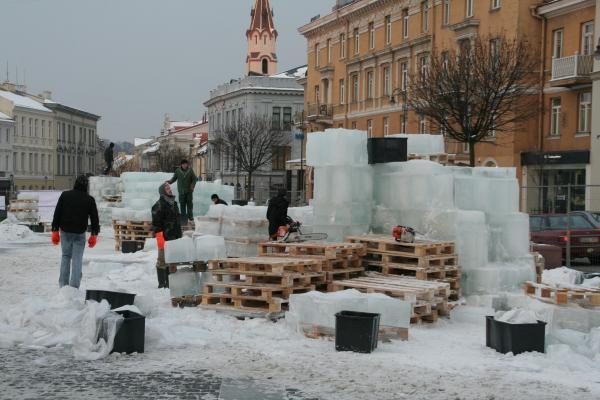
{"points": [[115, 299], [387, 150], [130, 246], [356, 331], [515, 338], [130, 335]]}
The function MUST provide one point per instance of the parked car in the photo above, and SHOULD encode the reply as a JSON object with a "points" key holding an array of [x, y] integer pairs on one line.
{"points": [[592, 216], [552, 229]]}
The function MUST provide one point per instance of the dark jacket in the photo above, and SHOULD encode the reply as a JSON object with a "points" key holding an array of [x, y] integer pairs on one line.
{"points": [[73, 210], [108, 155], [221, 201], [185, 180], [277, 213], [165, 219]]}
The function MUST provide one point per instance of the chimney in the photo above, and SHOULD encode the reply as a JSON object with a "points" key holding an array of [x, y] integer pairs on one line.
{"points": [[9, 87], [46, 95]]}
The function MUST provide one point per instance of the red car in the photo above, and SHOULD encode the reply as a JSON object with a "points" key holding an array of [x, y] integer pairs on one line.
{"points": [[584, 237]]}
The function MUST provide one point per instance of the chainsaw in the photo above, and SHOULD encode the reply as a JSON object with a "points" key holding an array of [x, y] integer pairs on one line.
{"points": [[292, 233], [404, 234]]}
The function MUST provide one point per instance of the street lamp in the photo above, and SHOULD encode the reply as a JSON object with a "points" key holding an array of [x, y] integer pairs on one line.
{"points": [[12, 185], [299, 135]]}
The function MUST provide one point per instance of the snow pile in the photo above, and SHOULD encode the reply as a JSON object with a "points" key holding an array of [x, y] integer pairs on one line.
{"points": [[568, 341], [66, 320], [592, 283], [517, 316], [15, 233], [561, 277]]}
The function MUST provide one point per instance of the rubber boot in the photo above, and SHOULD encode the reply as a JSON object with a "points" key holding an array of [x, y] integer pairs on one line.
{"points": [[167, 273]]}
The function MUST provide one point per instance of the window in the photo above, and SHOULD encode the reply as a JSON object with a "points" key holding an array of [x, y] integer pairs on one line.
{"points": [[317, 94], [265, 66], [496, 4], [317, 56], [370, 128], [585, 112], [405, 23], [276, 118], [328, 51], [342, 92], [354, 88], [30, 127], [371, 35], [423, 68], [558, 37], [466, 148], [494, 46], [353, 125], [370, 81], [446, 13], [425, 16], [43, 128], [422, 124], [469, 9], [404, 75], [555, 117], [587, 38], [387, 84], [386, 126], [403, 119], [356, 41], [287, 118], [343, 45], [281, 154], [388, 29], [492, 132]]}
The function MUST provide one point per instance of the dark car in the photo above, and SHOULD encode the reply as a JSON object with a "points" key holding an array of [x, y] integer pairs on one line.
{"points": [[592, 216], [583, 236]]}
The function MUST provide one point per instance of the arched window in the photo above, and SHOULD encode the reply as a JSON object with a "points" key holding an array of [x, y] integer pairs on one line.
{"points": [[265, 66]]}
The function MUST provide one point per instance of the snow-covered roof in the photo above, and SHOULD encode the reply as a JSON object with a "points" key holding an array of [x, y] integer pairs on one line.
{"points": [[152, 149], [141, 141], [5, 117], [22, 101], [295, 73]]}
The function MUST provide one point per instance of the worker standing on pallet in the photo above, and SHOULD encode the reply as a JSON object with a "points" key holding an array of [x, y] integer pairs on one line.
{"points": [[166, 226], [70, 221], [186, 183], [277, 213]]}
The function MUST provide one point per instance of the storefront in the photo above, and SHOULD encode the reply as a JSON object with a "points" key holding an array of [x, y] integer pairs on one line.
{"points": [[555, 182]]}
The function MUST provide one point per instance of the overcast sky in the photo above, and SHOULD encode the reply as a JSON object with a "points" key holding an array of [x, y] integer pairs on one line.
{"points": [[132, 61]]}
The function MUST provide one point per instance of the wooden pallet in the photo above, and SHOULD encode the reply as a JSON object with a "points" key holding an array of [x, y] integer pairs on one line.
{"points": [[245, 303], [385, 259], [268, 264], [327, 264], [284, 280], [330, 251], [563, 296], [242, 290], [186, 301], [387, 245]]}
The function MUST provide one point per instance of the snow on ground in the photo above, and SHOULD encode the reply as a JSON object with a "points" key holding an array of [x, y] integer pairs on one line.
{"points": [[446, 360]]}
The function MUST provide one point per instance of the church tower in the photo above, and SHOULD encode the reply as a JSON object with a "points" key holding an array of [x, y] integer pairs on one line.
{"points": [[262, 41]]}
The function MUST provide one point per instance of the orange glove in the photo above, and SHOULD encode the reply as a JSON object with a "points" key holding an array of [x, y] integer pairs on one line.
{"points": [[92, 241], [55, 238], [160, 240]]}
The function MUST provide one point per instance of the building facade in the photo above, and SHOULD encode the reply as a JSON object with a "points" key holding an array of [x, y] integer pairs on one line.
{"points": [[278, 98], [595, 137], [7, 136], [362, 54]]}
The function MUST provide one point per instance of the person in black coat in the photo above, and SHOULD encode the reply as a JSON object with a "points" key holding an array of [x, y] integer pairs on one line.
{"points": [[109, 158], [217, 200], [69, 226], [166, 225], [277, 213]]}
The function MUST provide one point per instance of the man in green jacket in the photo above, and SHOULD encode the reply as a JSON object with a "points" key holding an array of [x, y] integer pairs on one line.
{"points": [[186, 182]]}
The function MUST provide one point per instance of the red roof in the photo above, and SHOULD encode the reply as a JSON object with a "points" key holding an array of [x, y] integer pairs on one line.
{"points": [[262, 17]]}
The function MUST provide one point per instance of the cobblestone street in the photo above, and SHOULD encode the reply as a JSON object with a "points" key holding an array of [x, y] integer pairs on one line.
{"points": [[29, 374]]}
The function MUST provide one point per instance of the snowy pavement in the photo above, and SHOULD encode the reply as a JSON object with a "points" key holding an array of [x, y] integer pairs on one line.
{"points": [[199, 354]]}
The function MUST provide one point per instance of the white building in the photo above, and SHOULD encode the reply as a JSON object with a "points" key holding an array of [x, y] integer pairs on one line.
{"points": [[7, 133]]}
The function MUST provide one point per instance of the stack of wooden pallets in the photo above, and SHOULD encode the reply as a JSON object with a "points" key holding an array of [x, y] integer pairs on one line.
{"points": [[259, 285], [131, 231], [586, 297], [429, 298], [339, 260], [424, 260]]}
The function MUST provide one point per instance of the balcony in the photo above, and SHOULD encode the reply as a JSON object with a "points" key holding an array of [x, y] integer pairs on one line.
{"points": [[573, 70], [320, 112]]}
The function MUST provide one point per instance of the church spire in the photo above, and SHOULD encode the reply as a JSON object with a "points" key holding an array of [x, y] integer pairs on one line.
{"points": [[262, 41]]}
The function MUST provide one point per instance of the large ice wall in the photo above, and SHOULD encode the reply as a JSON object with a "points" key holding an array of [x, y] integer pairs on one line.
{"points": [[477, 208]]}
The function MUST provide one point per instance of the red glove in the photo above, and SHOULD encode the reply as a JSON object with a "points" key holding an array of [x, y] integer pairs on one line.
{"points": [[55, 238], [160, 240], [92, 241]]}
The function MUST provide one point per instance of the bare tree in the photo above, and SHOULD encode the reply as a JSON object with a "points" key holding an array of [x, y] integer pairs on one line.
{"points": [[485, 86], [252, 141], [168, 158]]}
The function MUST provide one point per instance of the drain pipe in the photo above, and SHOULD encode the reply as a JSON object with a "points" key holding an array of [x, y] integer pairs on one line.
{"points": [[541, 109]]}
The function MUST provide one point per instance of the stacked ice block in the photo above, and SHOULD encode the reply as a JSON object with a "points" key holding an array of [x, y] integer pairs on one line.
{"points": [[424, 144], [343, 182], [101, 188], [200, 248]]}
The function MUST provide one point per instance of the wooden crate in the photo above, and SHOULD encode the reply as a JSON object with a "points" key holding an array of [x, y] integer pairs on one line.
{"points": [[268, 264], [330, 251], [387, 245], [587, 297], [133, 231]]}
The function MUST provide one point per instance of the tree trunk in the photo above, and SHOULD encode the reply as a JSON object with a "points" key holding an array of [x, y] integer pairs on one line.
{"points": [[249, 189], [472, 153]]}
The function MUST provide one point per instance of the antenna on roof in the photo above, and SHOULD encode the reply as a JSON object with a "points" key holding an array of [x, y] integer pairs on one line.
{"points": [[17, 69]]}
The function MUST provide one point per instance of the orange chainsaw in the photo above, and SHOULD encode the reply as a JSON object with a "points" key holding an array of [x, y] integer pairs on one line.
{"points": [[404, 234]]}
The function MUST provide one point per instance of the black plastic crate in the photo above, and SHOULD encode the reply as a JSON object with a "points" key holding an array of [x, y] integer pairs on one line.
{"points": [[130, 246], [37, 228], [387, 150], [356, 331], [130, 337], [515, 338], [115, 299]]}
